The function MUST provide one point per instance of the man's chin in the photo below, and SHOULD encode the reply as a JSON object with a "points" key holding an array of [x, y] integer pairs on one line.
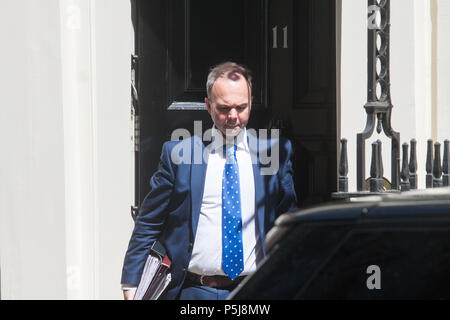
{"points": [[232, 132]]}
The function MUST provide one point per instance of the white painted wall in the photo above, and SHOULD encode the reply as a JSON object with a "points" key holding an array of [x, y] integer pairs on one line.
{"points": [[32, 197], [353, 77], [65, 165], [443, 70]]}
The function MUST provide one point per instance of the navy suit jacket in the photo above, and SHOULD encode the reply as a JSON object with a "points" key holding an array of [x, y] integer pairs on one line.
{"points": [[170, 211]]}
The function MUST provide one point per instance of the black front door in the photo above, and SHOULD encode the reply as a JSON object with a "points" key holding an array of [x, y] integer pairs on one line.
{"points": [[288, 44]]}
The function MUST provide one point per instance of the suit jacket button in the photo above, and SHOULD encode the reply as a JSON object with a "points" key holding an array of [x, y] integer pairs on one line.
{"points": [[183, 270]]}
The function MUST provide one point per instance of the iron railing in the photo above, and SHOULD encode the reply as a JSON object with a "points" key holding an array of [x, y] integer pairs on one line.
{"points": [[379, 109]]}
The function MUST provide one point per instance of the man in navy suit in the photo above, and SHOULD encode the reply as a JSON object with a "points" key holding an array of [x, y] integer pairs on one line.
{"points": [[211, 204]]}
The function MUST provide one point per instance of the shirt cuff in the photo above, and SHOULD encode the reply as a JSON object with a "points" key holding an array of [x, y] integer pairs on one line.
{"points": [[128, 287]]}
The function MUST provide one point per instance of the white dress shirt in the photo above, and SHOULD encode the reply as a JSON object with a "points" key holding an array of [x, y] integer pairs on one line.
{"points": [[207, 251]]}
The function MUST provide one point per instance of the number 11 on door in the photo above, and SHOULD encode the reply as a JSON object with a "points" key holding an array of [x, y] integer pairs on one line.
{"points": [[275, 37]]}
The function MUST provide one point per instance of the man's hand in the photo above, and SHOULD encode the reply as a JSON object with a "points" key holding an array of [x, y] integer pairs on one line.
{"points": [[129, 294]]}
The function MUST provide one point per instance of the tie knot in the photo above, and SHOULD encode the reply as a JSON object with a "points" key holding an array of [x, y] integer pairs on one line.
{"points": [[230, 152]]}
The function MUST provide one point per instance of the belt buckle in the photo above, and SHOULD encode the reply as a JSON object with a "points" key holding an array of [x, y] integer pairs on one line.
{"points": [[201, 280]]}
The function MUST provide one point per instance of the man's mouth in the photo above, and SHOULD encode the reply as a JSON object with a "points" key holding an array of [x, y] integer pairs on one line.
{"points": [[232, 130]]}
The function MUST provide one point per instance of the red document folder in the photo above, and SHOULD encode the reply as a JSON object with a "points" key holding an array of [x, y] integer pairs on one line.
{"points": [[156, 274]]}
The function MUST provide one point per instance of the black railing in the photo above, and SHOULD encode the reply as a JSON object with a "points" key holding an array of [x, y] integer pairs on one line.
{"points": [[379, 109], [379, 105], [437, 171]]}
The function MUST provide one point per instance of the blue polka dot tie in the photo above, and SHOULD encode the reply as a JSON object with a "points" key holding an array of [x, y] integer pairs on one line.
{"points": [[232, 248]]}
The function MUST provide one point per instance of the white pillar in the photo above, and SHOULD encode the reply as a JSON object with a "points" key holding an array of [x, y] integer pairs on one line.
{"points": [[65, 128], [411, 72], [32, 185], [112, 40], [423, 83], [353, 78], [443, 70]]}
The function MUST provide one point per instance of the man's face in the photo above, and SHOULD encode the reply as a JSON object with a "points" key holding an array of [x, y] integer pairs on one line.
{"points": [[230, 105]]}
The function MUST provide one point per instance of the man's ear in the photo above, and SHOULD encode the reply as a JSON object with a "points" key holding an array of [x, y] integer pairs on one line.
{"points": [[208, 105]]}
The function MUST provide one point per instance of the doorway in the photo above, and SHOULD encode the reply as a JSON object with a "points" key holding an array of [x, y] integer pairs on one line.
{"points": [[289, 45]]}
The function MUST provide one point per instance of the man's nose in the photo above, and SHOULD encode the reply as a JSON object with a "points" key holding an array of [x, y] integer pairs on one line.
{"points": [[232, 114]]}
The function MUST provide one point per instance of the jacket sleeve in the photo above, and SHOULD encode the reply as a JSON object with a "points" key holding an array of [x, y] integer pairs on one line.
{"points": [[288, 198], [150, 219]]}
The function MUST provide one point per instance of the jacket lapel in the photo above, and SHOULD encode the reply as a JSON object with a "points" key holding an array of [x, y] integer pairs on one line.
{"points": [[198, 175], [259, 203], [260, 196]]}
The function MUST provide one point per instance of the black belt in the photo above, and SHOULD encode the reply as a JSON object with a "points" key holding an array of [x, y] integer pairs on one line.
{"points": [[213, 281]]}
